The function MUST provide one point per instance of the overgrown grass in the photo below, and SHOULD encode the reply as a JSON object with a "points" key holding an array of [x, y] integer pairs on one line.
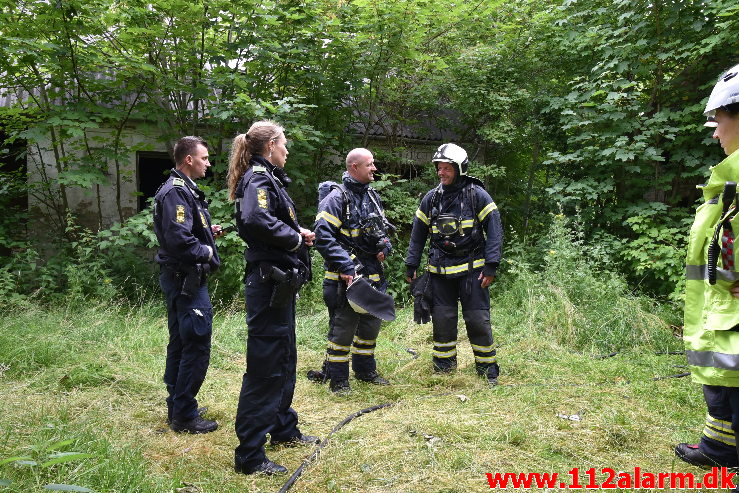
{"points": [[88, 375]]}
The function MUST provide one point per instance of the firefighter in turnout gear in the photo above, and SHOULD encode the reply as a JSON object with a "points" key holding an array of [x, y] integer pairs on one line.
{"points": [[277, 265], [711, 331], [352, 236], [463, 226], [187, 255]]}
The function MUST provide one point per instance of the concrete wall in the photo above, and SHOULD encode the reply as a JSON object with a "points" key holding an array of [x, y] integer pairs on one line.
{"points": [[89, 204]]}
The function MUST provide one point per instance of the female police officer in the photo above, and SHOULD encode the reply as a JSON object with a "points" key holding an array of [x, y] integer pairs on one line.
{"points": [[266, 220], [711, 330]]}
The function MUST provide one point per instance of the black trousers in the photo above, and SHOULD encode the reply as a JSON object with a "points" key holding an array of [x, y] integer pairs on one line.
{"points": [[349, 331], [190, 323], [719, 440], [268, 384], [475, 301]]}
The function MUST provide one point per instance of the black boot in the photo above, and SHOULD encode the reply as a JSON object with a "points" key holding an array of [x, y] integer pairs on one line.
{"points": [[372, 377], [340, 387], [267, 467], [196, 425]]}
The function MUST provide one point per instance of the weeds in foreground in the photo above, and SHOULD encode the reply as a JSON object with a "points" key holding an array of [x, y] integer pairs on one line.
{"points": [[88, 375]]}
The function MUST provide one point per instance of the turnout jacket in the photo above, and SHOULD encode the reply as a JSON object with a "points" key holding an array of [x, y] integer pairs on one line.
{"points": [[340, 239], [711, 331], [478, 242], [265, 215], [182, 225]]}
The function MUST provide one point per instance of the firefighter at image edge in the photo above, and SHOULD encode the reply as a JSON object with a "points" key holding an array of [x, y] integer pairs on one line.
{"points": [[466, 240], [711, 319]]}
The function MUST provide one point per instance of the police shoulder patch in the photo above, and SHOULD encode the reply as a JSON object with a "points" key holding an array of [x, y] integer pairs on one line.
{"points": [[180, 214], [262, 198], [178, 182]]}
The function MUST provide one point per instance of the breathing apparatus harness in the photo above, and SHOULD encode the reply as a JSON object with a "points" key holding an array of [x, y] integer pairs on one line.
{"points": [[449, 225], [373, 227]]}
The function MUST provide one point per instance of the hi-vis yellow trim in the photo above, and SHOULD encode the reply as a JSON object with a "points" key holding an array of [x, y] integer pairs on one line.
{"points": [[728, 439], [334, 276], [718, 424], [445, 354], [329, 218], [350, 233], [420, 215], [366, 352], [486, 210], [357, 340], [482, 349], [336, 347], [485, 359], [445, 344], [338, 359], [455, 269]]}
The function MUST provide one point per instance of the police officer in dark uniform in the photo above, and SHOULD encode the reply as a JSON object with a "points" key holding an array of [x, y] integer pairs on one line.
{"points": [[277, 264], [352, 236], [187, 255], [465, 250]]}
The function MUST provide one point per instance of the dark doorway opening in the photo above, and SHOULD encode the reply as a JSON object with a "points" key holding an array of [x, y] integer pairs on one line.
{"points": [[152, 170], [13, 191]]}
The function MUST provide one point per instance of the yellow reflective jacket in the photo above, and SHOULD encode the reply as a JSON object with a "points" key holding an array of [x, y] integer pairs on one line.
{"points": [[711, 347]]}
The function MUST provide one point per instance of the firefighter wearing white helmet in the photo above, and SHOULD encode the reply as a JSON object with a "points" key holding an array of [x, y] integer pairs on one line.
{"points": [[462, 224], [711, 324]]}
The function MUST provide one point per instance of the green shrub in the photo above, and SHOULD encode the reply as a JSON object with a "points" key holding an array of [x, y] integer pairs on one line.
{"points": [[578, 303]]}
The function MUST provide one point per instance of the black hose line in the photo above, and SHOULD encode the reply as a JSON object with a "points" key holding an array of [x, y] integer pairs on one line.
{"points": [[661, 353], [677, 375], [288, 484], [312, 457]]}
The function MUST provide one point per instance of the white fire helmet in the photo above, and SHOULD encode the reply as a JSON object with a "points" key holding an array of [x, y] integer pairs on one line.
{"points": [[725, 92], [452, 153]]}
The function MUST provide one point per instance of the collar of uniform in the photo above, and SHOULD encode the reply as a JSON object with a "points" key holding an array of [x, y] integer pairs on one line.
{"points": [[724, 171], [454, 187], [353, 184], [278, 173], [262, 161], [188, 180], [199, 194]]}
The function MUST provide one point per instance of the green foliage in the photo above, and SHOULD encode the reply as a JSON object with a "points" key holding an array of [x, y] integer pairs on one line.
{"points": [[609, 130], [568, 293], [656, 254], [120, 421], [55, 464]]}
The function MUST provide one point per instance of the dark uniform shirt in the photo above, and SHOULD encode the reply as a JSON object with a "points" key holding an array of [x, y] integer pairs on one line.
{"points": [[340, 238], [265, 216], [478, 242], [182, 225]]}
